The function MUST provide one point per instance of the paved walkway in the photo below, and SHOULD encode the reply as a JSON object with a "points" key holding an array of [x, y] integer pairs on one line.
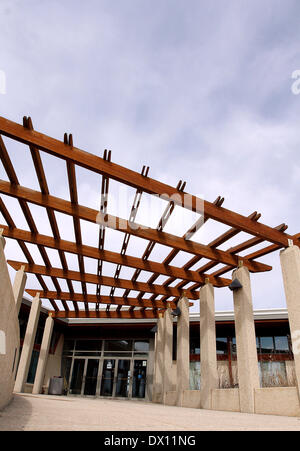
{"points": [[52, 413]]}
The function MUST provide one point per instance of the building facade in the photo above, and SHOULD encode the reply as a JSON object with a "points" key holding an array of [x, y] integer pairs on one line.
{"points": [[116, 359]]}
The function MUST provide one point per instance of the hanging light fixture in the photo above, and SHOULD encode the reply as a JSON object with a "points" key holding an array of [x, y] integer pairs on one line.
{"points": [[176, 312], [235, 285]]}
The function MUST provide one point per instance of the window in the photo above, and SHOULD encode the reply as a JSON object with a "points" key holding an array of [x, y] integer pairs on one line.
{"points": [[195, 375], [195, 345], [88, 345], [221, 346], [141, 346], [273, 374], [32, 367], [282, 345], [68, 347], [118, 345], [267, 345]]}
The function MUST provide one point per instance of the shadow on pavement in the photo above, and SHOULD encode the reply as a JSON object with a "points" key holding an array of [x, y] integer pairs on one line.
{"points": [[16, 414]]}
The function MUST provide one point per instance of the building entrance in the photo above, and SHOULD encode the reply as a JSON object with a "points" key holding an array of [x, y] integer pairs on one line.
{"points": [[118, 378]]}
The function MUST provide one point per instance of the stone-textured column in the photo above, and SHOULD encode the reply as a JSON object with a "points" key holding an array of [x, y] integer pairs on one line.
{"points": [[208, 349], [28, 345], [40, 371], [168, 353], [183, 350], [158, 362], [290, 265], [19, 286], [247, 361]]}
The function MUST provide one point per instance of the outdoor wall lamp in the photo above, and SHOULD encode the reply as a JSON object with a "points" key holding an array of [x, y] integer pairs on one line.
{"points": [[154, 329], [176, 312], [235, 285]]}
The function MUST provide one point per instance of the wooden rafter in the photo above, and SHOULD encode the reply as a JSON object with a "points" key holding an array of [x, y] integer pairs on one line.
{"points": [[132, 178], [104, 280], [109, 256], [276, 237], [92, 298], [122, 225], [112, 314]]}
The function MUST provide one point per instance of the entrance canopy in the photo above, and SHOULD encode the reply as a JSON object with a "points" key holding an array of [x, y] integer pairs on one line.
{"points": [[206, 263]]}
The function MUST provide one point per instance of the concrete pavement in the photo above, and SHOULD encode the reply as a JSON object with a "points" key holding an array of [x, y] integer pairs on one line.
{"points": [[53, 413]]}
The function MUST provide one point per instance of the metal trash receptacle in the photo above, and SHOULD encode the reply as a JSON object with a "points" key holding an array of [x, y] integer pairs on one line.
{"points": [[56, 385]]}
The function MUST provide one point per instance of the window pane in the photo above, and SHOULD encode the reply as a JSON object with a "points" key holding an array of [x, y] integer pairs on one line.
{"points": [[273, 374], [141, 345], [88, 345], [195, 375], [195, 346], [266, 345], [282, 345], [221, 345], [118, 345], [118, 354], [33, 367], [233, 346], [68, 345]]}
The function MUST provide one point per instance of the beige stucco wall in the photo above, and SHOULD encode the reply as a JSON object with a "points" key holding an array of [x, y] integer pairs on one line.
{"points": [[170, 398], [9, 331], [226, 399], [277, 401], [290, 373], [191, 398], [53, 367]]}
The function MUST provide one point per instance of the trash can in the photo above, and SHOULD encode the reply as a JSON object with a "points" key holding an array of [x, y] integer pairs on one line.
{"points": [[56, 386]]}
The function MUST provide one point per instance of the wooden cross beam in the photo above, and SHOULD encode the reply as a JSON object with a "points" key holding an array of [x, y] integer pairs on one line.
{"points": [[112, 257], [94, 299], [123, 225], [104, 280], [136, 180]]}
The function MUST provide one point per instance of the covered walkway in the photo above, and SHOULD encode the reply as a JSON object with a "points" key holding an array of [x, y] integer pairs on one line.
{"points": [[41, 412]]}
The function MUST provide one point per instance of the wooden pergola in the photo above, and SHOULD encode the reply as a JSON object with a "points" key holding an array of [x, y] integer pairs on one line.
{"points": [[127, 306]]}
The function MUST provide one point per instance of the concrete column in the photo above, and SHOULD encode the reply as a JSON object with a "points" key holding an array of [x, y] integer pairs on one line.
{"points": [[247, 362], [19, 286], [290, 265], [183, 350], [28, 345], [158, 362], [168, 353], [40, 371], [208, 349]]}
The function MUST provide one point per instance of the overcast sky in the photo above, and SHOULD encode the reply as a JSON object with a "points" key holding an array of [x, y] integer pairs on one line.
{"points": [[197, 90]]}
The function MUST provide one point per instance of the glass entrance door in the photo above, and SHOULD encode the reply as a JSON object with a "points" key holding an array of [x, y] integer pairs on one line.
{"points": [[123, 378], [108, 374], [77, 376], [120, 378], [139, 379], [91, 377]]}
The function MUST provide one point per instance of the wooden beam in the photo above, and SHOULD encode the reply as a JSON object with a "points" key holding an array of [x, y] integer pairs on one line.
{"points": [[123, 225], [132, 178], [104, 280], [92, 298], [112, 314], [8, 166], [109, 256]]}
